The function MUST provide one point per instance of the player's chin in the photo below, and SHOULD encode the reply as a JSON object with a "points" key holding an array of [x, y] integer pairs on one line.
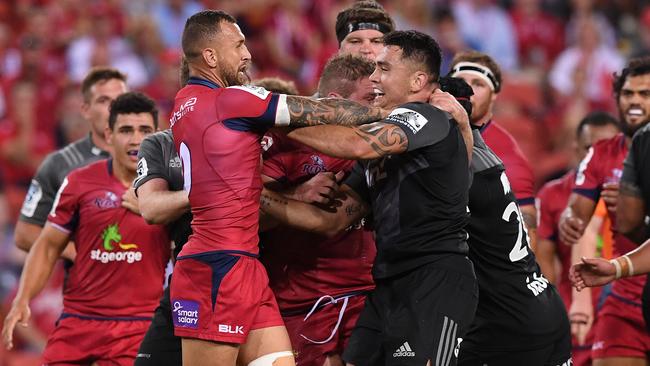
{"points": [[243, 77]]}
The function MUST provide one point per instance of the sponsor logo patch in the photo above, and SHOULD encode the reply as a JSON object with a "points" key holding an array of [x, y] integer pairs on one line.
{"points": [[257, 91], [409, 118], [185, 313], [32, 198]]}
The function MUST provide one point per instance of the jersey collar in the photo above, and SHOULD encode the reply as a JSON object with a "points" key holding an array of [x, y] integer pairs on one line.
{"points": [[485, 126], [200, 81]]}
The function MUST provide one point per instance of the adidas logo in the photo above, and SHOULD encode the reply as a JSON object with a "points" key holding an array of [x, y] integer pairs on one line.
{"points": [[404, 351]]}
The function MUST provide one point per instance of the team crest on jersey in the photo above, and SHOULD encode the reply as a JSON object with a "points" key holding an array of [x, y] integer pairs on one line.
{"points": [[32, 198], [257, 91], [113, 249], [316, 166], [409, 118], [109, 200]]}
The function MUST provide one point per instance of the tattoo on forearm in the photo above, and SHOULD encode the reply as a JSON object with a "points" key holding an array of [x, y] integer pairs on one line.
{"points": [[384, 138], [310, 112], [629, 189], [267, 200]]}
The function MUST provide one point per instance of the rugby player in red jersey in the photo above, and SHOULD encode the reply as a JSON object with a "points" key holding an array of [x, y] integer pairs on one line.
{"points": [[483, 74], [620, 335], [220, 294], [551, 201], [116, 281], [320, 283]]}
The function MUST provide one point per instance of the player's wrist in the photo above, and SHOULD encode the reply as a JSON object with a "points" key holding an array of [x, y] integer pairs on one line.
{"points": [[623, 266]]}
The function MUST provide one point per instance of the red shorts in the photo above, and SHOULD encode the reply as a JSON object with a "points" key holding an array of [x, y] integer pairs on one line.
{"points": [[221, 296], [320, 326], [78, 341], [620, 330], [581, 355]]}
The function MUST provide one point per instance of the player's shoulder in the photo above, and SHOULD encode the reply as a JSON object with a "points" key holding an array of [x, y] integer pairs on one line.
{"points": [[415, 115], [494, 132], [246, 90], [160, 138], [91, 172], [609, 146], [556, 186], [66, 158]]}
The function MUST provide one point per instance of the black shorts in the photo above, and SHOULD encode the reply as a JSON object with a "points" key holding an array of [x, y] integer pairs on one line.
{"points": [[556, 353], [160, 346], [416, 317]]}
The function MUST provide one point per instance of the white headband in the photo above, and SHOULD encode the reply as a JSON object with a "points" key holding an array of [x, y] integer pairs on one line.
{"points": [[477, 70]]}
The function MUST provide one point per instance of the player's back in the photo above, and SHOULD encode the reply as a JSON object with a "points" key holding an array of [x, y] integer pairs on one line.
{"points": [[120, 263], [518, 168], [515, 300], [217, 135]]}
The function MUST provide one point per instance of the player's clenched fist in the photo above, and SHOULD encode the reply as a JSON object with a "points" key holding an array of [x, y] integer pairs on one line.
{"points": [[19, 313], [321, 188]]}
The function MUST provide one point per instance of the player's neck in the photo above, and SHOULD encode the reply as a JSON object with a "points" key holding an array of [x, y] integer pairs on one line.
{"points": [[484, 120], [421, 96], [123, 174], [99, 141], [207, 75]]}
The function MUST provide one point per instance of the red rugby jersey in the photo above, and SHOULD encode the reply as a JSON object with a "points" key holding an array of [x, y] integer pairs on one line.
{"points": [[217, 133], [517, 166], [120, 264], [604, 164], [552, 199], [303, 266]]}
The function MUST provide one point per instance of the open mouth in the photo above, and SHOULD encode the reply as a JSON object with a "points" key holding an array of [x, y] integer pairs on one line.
{"points": [[132, 153], [635, 112], [378, 93]]}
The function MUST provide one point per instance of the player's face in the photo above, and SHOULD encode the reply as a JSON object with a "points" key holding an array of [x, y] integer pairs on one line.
{"points": [[592, 134], [634, 102], [366, 43], [233, 56], [96, 109], [127, 134], [483, 98], [364, 92], [391, 78]]}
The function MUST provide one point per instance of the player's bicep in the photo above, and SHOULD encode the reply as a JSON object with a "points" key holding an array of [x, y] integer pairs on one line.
{"points": [[54, 238]]}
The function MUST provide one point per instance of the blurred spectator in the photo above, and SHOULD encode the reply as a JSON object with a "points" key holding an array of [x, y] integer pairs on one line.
{"points": [[412, 14], [540, 36], [584, 9], [642, 46], [103, 46], [163, 88], [171, 16], [143, 33], [22, 145], [487, 28], [586, 68], [72, 125], [448, 36]]}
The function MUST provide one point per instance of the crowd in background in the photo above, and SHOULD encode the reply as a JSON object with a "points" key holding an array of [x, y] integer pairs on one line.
{"points": [[558, 58]]}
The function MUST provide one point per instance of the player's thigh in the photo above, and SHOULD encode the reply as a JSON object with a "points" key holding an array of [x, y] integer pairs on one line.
{"points": [[198, 352], [265, 341], [621, 361], [333, 360]]}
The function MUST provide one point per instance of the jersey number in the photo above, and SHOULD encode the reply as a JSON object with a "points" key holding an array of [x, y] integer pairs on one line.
{"points": [[187, 167], [520, 249]]}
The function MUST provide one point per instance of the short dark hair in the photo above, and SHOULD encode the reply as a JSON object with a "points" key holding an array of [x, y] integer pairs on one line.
{"points": [[636, 67], [99, 75], [132, 102], [599, 119], [358, 14], [418, 47], [200, 27], [481, 59], [277, 85], [341, 72], [368, 4]]}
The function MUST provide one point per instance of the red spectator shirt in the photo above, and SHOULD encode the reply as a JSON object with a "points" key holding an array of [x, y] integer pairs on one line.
{"points": [[552, 199], [304, 266], [518, 169], [217, 133], [120, 265], [604, 164]]}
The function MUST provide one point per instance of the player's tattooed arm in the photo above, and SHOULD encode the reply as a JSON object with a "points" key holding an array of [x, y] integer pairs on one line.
{"points": [[318, 219], [363, 142], [529, 214], [631, 212], [305, 112]]}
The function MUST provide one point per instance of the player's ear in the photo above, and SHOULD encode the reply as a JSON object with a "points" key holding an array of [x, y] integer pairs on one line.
{"points": [[419, 81], [334, 95], [108, 135], [210, 57]]}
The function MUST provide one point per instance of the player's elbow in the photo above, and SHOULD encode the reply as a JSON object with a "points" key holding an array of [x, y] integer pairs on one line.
{"points": [[22, 242], [25, 235], [152, 216]]}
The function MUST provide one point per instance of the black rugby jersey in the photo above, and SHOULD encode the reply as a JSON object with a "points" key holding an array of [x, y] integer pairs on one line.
{"points": [[419, 197], [50, 174], [157, 158], [515, 300]]}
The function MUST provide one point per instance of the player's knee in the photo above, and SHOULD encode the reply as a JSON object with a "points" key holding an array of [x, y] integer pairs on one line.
{"points": [[284, 358]]}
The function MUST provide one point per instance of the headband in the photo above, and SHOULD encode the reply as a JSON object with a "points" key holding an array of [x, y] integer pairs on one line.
{"points": [[355, 26], [478, 70]]}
